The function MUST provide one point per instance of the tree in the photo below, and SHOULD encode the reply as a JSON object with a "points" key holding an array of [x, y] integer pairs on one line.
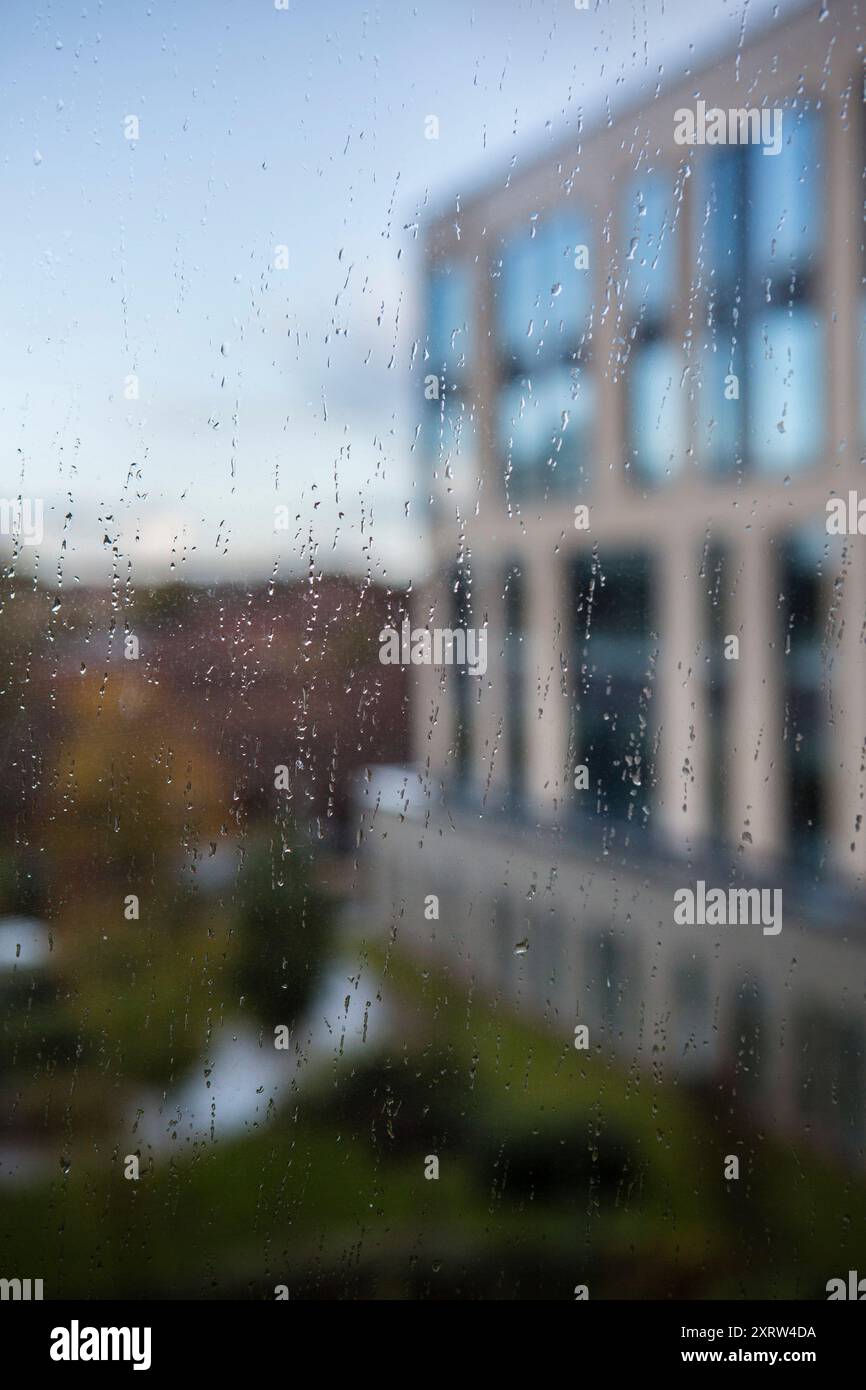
{"points": [[285, 926]]}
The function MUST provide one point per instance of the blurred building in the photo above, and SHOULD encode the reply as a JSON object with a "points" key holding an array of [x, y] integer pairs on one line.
{"points": [[670, 336], [273, 674]]}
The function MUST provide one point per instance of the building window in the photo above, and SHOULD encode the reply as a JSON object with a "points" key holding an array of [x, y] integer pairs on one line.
{"points": [[614, 649], [718, 618], [544, 294], [544, 424], [655, 416], [804, 727], [449, 318], [759, 229], [545, 398], [515, 693]]}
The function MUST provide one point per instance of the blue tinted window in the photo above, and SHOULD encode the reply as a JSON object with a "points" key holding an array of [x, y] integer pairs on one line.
{"points": [[650, 267], [520, 289], [568, 246], [786, 194], [544, 430], [720, 403], [785, 379], [721, 219], [544, 291], [759, 233], [449, 313], [656, 415], [760, 216]]}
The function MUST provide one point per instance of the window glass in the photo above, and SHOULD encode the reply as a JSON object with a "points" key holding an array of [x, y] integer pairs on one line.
{"points": [[720, 384], [449, 314], [613, 647], [433, 669], [656, 398], [787, 203], [802, 613], [759, 225], [785, 366], [721, 219], [656, 415], [544, 427], [544, 295], [650, 268]]}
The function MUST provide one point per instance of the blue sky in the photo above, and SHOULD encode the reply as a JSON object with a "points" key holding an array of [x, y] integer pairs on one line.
{"points": [[260, 128]]}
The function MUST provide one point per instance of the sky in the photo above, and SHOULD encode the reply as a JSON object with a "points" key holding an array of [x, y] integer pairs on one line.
{"points": [[163, 385]]}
